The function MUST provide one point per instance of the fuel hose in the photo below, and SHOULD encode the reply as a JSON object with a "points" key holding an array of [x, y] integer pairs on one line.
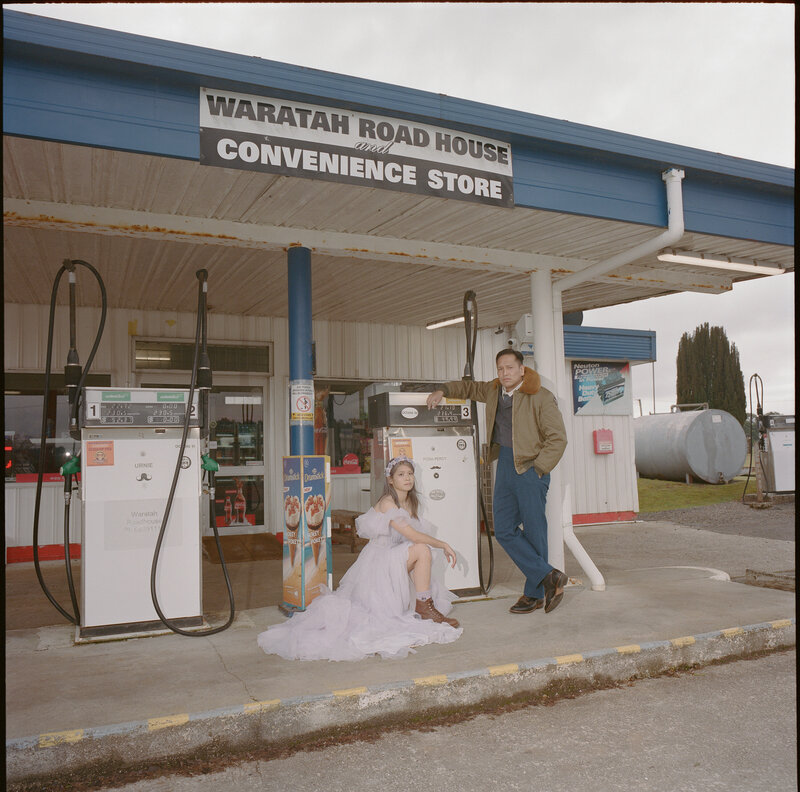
{"points": [[200, 362], [471, 331], [756, 384], [75, 382]]}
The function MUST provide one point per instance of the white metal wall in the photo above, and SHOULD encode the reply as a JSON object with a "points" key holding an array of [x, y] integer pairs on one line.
{"points": [[601, 483], [347, 350]]}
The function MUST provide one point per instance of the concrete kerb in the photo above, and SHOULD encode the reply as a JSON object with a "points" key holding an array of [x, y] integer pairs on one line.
{"points": [[279, 721]]}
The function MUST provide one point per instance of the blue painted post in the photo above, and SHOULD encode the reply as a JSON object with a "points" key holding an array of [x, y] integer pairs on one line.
{"points": [[301, 382]]}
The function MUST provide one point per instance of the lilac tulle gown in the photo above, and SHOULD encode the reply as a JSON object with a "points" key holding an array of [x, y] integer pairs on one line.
{"points": [[372, 611]]}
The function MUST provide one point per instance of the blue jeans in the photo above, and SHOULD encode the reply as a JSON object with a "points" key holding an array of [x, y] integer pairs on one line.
{"points": [[521, 499]]}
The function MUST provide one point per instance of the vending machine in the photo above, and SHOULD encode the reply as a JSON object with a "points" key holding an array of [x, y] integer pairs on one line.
{"points": [[441, 443]]}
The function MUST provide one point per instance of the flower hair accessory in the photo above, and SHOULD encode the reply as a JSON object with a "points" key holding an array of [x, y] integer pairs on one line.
{"points": [[393, 463]]}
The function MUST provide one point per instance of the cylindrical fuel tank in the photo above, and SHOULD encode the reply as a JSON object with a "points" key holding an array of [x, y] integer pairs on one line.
{"points": [[704, 444]]}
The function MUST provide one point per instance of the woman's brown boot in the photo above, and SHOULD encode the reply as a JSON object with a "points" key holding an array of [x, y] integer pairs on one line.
{"points": [[427, 610]]}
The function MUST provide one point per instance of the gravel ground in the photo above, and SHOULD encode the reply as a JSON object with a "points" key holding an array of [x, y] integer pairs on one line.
{"points": [[739, 519]]}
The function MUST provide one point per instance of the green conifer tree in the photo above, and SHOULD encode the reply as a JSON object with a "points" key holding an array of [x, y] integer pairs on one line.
{"points": [[709, 371]]}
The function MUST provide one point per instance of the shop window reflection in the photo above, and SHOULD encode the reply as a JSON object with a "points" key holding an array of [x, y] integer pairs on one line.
{"points": [[341, 424]]}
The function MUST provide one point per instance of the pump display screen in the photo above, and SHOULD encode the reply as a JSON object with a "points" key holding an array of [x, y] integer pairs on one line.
{"points": [[137, 407], [451, 414]]}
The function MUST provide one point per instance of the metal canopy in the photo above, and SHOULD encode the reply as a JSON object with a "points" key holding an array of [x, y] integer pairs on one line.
{"points": [[148, 223]]}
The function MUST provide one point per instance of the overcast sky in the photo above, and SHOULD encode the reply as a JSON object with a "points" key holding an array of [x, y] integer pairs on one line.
{"points": [[716, 76]]}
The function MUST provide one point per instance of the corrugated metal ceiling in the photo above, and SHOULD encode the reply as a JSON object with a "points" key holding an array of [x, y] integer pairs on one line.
{"points": [[148, 271]]}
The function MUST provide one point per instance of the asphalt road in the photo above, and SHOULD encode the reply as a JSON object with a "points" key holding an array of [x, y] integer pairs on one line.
{"points": [[734, 517], [725, 727]]}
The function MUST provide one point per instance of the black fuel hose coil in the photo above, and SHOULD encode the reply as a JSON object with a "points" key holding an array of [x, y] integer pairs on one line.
{"points": [[200, 330], [67, 266], [471, 331]]}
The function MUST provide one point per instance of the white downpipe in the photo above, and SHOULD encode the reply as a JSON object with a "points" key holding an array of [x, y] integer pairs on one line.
{"points": [[674, 232], [576, 548]]}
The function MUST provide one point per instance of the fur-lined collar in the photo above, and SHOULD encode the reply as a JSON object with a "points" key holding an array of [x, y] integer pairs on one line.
{"points": [[531, 381]]}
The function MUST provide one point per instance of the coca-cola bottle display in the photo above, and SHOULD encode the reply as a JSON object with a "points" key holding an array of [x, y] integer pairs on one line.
{"points": [[228, 510], [239, 505]]}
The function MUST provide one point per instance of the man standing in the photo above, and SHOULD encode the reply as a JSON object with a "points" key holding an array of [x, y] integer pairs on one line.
{"points": [[527, 438]]}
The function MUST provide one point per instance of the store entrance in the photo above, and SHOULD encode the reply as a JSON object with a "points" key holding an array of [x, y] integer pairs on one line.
{"points": [[236, 442]]}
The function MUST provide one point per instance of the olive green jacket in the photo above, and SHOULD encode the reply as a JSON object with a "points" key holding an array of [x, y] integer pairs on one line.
{"points": [[537, 428]]}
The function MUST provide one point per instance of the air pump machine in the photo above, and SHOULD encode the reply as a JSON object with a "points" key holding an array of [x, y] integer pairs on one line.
{"points": [[443, 443]]}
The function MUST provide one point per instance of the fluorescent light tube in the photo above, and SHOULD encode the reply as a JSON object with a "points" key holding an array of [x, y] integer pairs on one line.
{"points": [[717, 262], [444, 322]]}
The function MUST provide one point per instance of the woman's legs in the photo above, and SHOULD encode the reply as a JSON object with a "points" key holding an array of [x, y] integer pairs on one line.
{"points": [[419, 565]]}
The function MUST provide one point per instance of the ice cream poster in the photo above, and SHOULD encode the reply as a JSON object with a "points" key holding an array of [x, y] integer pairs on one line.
{"points": [[307, 562], [601, 388]]}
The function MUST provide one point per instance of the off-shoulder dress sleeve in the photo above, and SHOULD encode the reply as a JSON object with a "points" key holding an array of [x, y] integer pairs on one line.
{"points": [[374, 523]]}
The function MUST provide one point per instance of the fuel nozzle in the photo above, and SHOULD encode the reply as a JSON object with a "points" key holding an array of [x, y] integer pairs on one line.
{"points": [[69, 469], [203, 361], [211, 466], [72, 370]]}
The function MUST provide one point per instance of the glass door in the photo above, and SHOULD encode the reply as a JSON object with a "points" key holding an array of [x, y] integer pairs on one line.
{"points": [[236, 442]]}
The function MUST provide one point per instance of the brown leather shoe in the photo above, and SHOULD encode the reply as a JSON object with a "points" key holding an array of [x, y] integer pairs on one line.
{"points": [[526, 605], [427, 610], [553, 583]]}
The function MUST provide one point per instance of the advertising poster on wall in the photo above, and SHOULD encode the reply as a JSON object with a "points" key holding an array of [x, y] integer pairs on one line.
{"points": [[601, 388], [307, 561]]}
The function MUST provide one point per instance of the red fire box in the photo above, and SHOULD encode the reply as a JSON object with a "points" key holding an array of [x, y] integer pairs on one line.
{"points": [[603, 441]]}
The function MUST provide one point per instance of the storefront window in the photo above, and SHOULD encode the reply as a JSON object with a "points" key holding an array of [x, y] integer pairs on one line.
{"points": [[341, 425], [23, 425]]}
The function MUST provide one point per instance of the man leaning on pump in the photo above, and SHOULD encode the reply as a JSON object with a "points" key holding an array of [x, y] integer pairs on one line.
{"points": [[527, 439]]}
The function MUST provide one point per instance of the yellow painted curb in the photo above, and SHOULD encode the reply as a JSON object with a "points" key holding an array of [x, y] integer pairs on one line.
{"points": [[436, 679], [356, 691], [500, 670], [55, 738], [732, 631], [153, 724], [630, 649], [262, 706], [686, 640], [781, 623], [573, 658]]}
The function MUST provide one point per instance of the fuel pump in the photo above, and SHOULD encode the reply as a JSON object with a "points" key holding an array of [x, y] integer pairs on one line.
{"points": [[441, 442], [138, 521], [444, 443]]}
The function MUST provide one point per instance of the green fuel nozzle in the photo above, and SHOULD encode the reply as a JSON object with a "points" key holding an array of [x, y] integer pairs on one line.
{"points": [[209, 464], [71, 467]]}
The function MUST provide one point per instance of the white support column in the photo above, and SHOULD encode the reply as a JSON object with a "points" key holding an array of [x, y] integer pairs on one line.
{"points": [[544, 352]]}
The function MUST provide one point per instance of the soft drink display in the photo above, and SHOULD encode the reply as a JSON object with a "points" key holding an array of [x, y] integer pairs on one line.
{"points": [[239, 505]]}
